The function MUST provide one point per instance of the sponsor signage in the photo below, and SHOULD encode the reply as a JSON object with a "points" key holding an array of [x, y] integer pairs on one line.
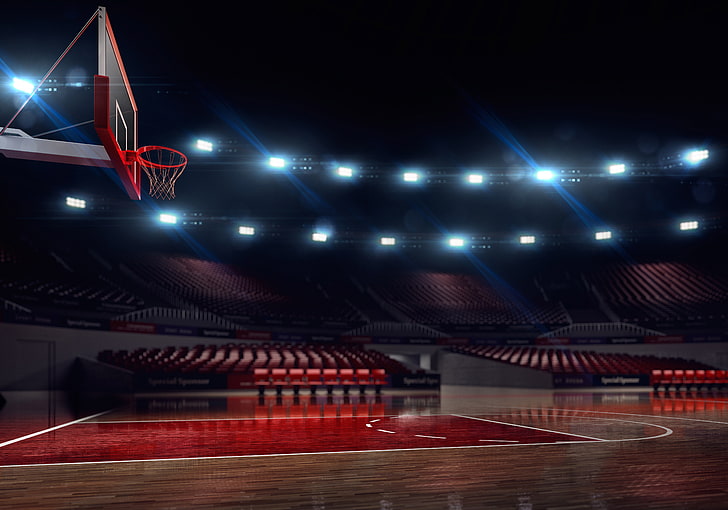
{"points": [[180, 382], [422, 381]]}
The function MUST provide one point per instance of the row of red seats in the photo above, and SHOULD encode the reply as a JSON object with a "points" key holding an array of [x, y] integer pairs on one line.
{"points": [[312, 378], [688, 378]]}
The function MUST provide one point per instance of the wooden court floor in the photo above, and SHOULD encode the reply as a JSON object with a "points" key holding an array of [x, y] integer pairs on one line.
{"points": [[460, 448]]}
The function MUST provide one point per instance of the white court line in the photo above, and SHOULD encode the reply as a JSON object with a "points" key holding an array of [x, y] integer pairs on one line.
{"points": [[250, 418], [498, 441], [41, 432], [262, 455], [658, 416], [430, 437], [527, 427]]}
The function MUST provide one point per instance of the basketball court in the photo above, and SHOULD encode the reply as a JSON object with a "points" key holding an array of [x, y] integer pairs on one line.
{"points": [[463, 447], [459, 448]]}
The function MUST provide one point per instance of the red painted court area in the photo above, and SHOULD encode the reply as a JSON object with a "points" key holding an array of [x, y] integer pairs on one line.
{"points": [[94, 440]]}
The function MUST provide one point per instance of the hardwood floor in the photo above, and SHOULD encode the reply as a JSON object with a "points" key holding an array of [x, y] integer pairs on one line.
{"points": [[464, 448]]}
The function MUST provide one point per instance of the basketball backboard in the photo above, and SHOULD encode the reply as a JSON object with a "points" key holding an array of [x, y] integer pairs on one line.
{"points": [[115, 119], [115, 111]]}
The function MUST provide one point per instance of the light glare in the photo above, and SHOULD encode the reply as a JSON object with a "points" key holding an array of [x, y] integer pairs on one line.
{"points": [[603, 236], [344, 171], [696, 156], [319, 237], [75, 202], [170, 219], [689, 225], [387, 241], [204, 145], [411, 177], [544, 175], [527, 239], [475, 178], [456, 242], [617, 168], [23, 85], [245, 230], [277, 162]]}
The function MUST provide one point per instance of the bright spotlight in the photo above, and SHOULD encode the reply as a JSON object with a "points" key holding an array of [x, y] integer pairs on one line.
{"points": [[344, 171], [319, 237], [169, 219], [475, 178], [527, 239], [689, 225], [545, 175], [23, 86], [617, 168], [75, 202], [276, 162], [696, 156], [204, 145], [246, 230], [410, 176], [456, 242], [387, 241], [603, 235]]}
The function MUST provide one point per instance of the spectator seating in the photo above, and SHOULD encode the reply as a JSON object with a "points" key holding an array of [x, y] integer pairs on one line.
{"points": [[274, 366], [688, 379], [462, 299], [312, 378], [566, 361], [671, 291]]}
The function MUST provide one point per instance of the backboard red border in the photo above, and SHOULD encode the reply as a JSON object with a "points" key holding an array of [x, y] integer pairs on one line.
{"points": [[124, 162], [122, 158]]}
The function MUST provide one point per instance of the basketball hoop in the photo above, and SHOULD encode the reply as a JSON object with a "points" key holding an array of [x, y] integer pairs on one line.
{"points": [[163, 167]]}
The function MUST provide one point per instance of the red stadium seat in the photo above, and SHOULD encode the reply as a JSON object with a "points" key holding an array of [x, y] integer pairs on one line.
{"points": [[346, 378], [262, 379], [710, 379], [700, 378], [678, 378], [331, 378], [313, 379], [363, 378], [296, 379], [279, 378], [379, 378], [656, 379], [689, 379]]}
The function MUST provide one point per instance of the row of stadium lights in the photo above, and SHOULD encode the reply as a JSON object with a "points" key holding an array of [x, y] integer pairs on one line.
{"points": [[692, 157], [324, 237]]}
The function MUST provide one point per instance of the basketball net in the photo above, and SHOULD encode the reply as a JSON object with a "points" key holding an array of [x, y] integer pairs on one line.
{"points": [[163, 167]]}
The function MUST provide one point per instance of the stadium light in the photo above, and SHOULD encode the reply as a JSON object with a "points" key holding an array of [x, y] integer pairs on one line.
{"points": [[603, 235], [456, 242], [204, 145], [23, 86], [387, 241], [527, 239], [246, 230], [169, 219], [545, 175], [696, 156], [344, 171], [319, 237], [275, 162], [76, 203], [474, 178], [617, 168], [411, 176], [689, 225]]}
